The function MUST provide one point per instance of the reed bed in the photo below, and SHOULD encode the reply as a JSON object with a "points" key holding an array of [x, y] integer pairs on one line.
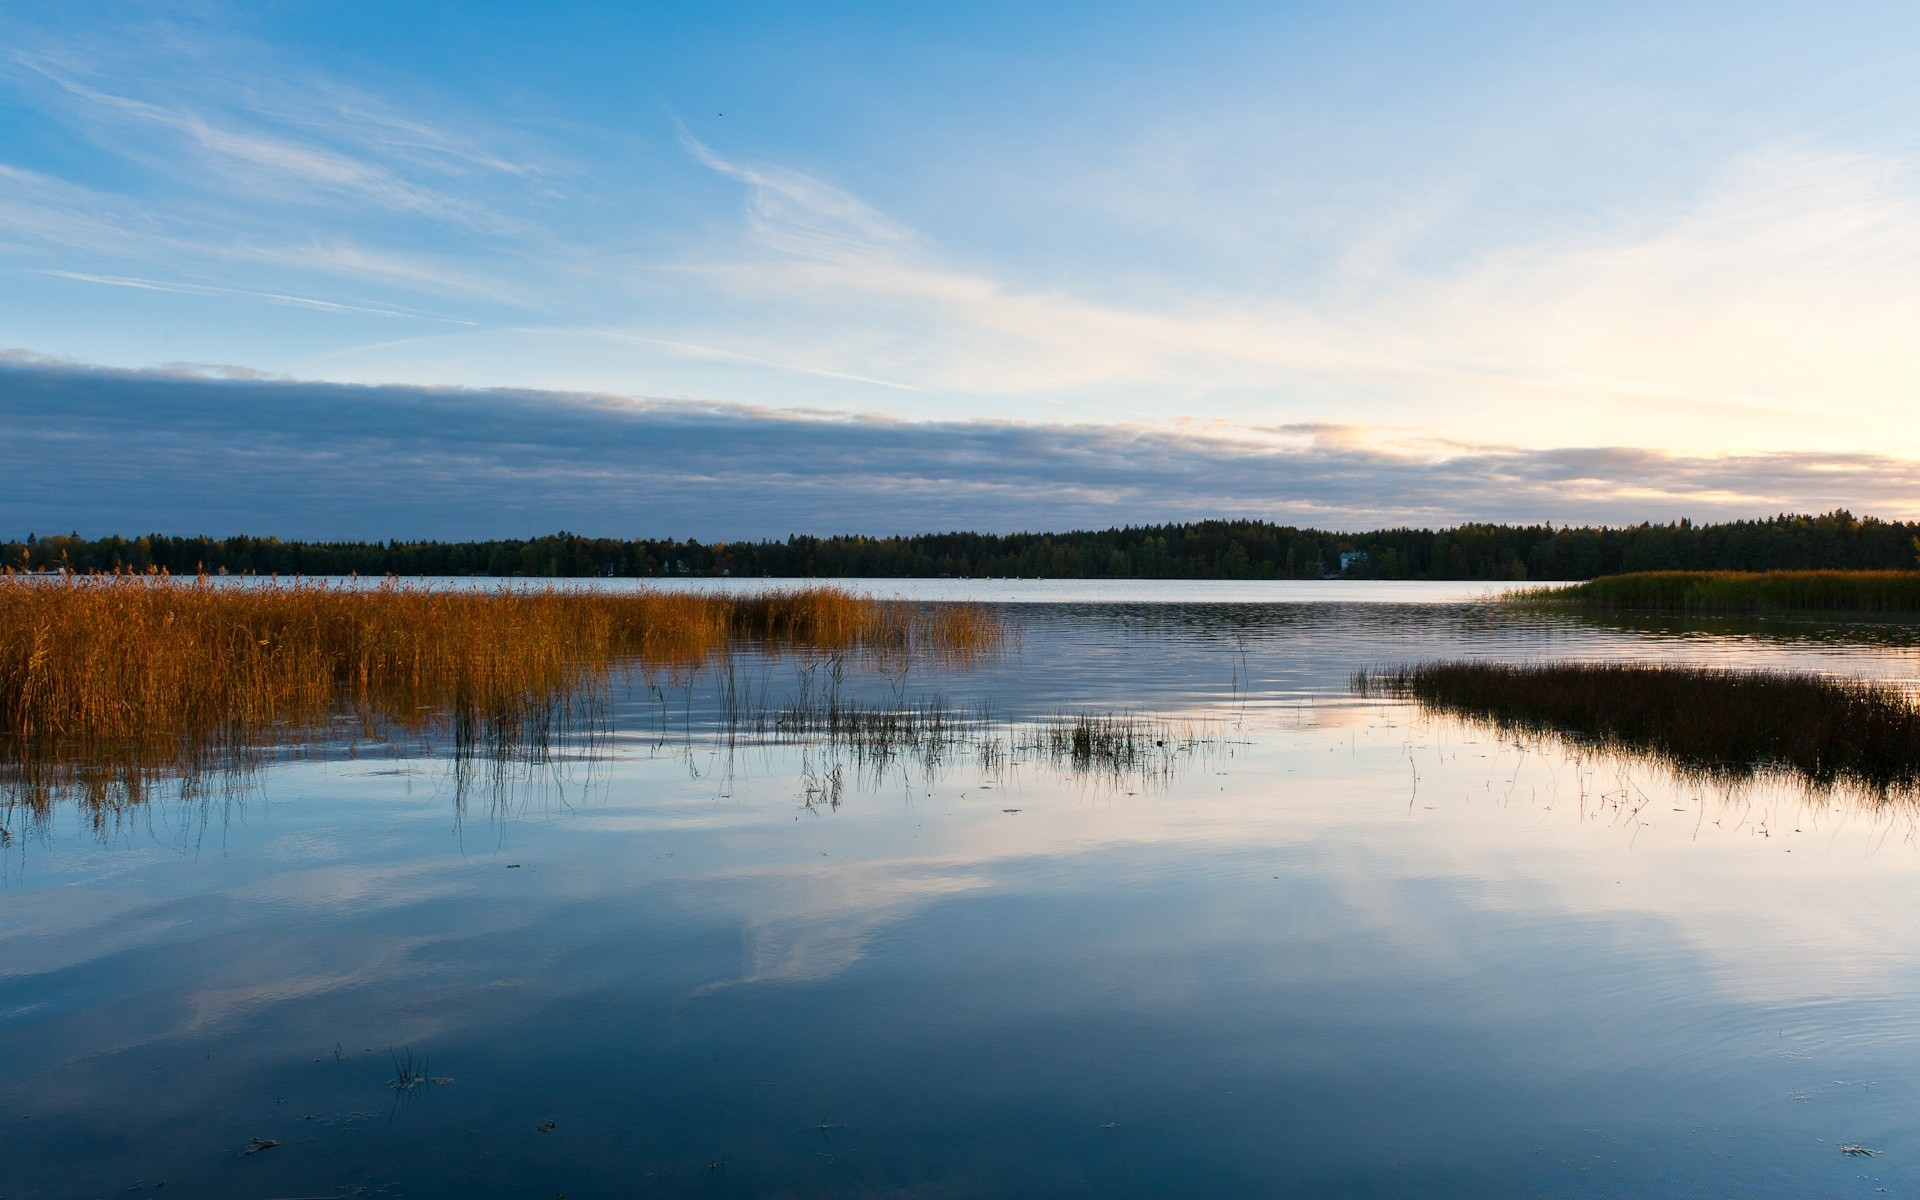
{"points": [[1732, 593], [1698, 721], [124, 673]]}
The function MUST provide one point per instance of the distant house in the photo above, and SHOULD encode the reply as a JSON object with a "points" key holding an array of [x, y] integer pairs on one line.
{"points": [[1352, 558]]}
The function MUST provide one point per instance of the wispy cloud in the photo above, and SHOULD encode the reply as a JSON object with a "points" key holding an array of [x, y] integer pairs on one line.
{"points": [[318, 148], [117, 451], [695, 350], [1782, 291], [195, 289], [257, 180], [792, 211]]}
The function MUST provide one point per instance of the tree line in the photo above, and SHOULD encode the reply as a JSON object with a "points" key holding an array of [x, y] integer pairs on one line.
{"points": [[1196, 550]]}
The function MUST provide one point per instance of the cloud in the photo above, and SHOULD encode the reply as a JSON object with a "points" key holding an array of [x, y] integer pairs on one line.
{"points": [[198, 289], [719, 353], [273, 133], [1780, 292], [1761, 299], [176, 451], [235, 175], [792, 211]]}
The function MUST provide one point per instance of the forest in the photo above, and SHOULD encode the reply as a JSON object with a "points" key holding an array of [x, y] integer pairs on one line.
{"points": [[1240, 549]]}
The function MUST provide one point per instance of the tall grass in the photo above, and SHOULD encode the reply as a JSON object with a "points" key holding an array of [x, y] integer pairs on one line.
{"points": [[1697, 720], [1892, 593], [103, 672]]}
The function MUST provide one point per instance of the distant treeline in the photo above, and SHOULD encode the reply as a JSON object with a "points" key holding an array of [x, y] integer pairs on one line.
{"points": [[1200, 550]]}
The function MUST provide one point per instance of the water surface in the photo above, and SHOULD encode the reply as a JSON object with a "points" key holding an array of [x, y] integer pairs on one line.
{"points": [[1314, 945]]}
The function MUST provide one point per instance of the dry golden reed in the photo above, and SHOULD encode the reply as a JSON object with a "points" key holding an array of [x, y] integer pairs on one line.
{"points": [[151, 669]]}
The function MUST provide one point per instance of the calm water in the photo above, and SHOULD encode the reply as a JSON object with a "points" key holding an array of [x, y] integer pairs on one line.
{"points": [[998, 591], [1311, 945]]}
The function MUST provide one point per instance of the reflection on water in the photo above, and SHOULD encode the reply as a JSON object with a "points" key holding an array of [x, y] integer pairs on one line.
{"points": [[1702, 723], [1153, 907]]}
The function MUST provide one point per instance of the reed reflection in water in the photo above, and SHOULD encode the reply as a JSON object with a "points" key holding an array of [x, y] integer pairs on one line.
{"points": [[852, 715], [112, 685], [1701, 722]]}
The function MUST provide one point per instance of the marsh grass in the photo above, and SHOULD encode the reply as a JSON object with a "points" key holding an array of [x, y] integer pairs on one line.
{"points": [[1112, 746], [109, 681], [868, 726], [1698, 721], [930, 731], [1734, 593], [1110, 751]]}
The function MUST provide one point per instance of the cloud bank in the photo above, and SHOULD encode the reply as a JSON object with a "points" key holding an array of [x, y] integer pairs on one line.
{"points": [[199, 451]]}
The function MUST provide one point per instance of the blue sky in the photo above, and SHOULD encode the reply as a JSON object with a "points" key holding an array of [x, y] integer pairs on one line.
{"points": [[1428, 234]]}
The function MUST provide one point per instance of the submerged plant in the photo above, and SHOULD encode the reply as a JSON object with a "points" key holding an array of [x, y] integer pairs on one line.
{"points": [[408, 1077]]}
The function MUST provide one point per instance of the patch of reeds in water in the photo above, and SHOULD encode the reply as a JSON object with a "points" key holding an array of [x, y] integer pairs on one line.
{"points": [[104, 680], [1878, 593], [872, 726], [1698, 721], [1110, 751], [1114, 746]]}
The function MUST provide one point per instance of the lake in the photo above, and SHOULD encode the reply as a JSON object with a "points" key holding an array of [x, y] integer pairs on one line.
{"points": [[1274, 939]]}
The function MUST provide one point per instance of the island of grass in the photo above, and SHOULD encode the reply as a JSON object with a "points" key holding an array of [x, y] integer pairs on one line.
{"points": [[1739, 593], [1696, 720]]}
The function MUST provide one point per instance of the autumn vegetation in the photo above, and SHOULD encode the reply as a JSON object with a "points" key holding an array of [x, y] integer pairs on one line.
{"points": [[148, 669]]}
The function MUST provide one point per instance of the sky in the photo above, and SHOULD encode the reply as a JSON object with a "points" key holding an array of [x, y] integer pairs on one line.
{"points": [[752, 269]]}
